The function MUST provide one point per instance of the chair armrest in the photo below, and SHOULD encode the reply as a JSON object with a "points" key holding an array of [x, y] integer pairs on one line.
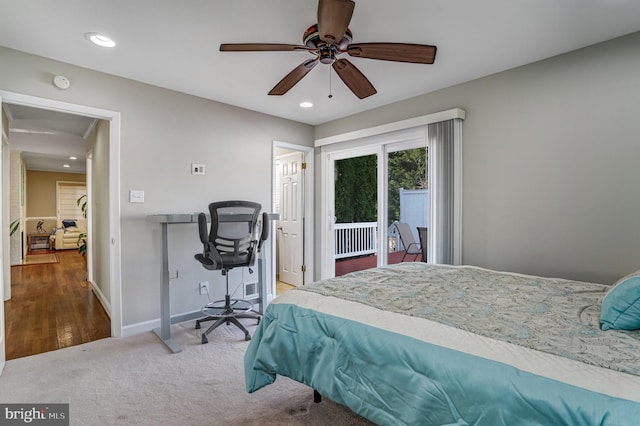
{"points": [[265, 230]]}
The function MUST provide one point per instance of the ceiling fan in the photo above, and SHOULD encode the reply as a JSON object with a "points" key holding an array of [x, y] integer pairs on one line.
{"points": [[330, 38]]}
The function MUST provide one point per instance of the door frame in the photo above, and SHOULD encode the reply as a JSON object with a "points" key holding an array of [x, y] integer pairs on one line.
{"points": [[113, 117], [307, 200], [4, 235]]}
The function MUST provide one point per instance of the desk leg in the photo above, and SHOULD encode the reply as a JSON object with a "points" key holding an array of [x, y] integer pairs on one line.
{"points": [[164, 332]]}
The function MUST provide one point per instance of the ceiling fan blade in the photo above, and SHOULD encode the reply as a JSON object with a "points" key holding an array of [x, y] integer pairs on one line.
{"points": [[399, 52], [354, 79], [260, 47], [293, 77], [333, 19]]}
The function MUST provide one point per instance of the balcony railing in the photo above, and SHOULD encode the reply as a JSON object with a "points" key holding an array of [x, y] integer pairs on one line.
{"points": [[355, 239]]}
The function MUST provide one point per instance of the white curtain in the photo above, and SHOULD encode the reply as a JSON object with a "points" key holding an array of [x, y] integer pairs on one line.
{"points": [[68, 194], [445, 184]]}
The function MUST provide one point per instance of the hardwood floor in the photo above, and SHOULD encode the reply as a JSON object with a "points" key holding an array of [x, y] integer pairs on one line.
{"points": [[282, 287], [52, 306]]}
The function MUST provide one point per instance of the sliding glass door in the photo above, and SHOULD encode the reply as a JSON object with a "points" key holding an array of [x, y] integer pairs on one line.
{"points": [[418, 184], [355, 206], [372, 191], [407, 202]]}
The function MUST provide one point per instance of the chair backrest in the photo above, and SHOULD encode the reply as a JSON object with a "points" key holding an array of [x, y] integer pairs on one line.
{"points": [[231, 241], [406, 236]]}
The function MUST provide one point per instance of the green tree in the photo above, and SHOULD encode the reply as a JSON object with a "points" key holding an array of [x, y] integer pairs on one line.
{"points": [[407, 170], [356, 189]]}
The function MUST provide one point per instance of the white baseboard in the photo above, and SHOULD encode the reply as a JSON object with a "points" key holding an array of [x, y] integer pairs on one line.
{"points": [[103, 300], [145, 326]]}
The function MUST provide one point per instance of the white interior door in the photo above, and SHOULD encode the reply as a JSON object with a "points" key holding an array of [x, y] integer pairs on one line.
{"points": [[290, 226]]}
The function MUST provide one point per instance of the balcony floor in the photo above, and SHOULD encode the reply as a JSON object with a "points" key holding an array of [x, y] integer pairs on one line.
{"points": [[344, 266]]}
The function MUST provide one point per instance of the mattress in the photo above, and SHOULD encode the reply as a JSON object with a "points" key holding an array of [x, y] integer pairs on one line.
{"points": [[428, 344]]}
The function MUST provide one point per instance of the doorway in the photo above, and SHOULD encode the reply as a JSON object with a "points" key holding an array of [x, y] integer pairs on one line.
{"points": [[106, 249], [356, 213], [292, 200]]}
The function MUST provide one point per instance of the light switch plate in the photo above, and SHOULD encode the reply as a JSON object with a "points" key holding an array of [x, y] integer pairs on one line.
{"points": [[136, 196]]}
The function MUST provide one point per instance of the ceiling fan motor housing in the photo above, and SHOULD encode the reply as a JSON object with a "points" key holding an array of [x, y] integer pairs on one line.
{"points": [[312, 40]]}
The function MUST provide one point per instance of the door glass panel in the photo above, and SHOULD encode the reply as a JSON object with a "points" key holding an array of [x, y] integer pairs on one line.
{"points": [[356, 214], [407, 205]]}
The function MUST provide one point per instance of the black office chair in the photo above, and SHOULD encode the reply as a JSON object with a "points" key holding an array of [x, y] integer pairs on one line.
{"points": [[231, 242]]}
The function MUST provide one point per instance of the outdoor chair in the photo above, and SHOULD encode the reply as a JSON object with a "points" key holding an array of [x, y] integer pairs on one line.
{"points": [[411, 247]]}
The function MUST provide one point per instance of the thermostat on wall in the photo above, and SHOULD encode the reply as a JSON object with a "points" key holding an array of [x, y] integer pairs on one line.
{"points": [[197, 169]]}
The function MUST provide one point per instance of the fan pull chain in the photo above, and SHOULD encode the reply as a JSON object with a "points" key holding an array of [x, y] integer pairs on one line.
{"points": [[330, 95]]}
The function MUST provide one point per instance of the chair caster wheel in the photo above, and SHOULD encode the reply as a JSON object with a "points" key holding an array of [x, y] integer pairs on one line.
{"points": [[197, 325], [204, 339], [247, 337]]}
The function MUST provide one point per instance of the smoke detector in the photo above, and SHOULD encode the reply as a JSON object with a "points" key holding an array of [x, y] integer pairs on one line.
{"points": [[61, 82]]}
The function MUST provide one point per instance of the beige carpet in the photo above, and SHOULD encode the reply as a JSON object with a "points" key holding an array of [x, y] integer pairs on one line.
{"points": [[137, 381], [35, 259]]}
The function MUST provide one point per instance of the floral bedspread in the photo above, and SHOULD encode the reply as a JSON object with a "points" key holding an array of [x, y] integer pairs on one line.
{"points": [[552, 315]]}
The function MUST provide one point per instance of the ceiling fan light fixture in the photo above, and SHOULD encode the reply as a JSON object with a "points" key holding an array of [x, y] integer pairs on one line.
{"points": [[327, 56], [100, 40], [306, 104]]}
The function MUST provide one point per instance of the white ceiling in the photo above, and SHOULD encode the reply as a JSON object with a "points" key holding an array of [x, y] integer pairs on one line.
{"points": [[48, 139], [175, 44]]}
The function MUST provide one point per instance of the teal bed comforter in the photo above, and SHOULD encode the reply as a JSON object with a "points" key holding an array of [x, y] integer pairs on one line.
{"points": [[393, 379]]}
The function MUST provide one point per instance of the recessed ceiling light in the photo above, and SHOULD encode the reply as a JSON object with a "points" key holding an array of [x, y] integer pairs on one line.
{"points": [[73, 158], [100, 39], [66, 166], [306, 104]]}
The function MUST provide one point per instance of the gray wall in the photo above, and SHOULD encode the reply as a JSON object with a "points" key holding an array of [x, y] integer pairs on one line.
{"points": [[99, 237], [550, 153], [162, 133]]}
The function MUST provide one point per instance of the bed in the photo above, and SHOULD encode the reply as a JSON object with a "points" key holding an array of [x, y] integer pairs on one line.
{"points": [[425, 344]]}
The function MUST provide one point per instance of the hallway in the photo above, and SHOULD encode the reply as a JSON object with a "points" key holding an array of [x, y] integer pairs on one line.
{"points": [[52, 306]]}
